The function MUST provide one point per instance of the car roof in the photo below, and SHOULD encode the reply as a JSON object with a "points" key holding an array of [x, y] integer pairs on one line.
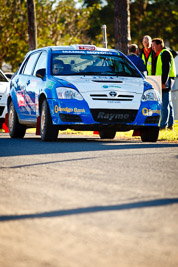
{"points": [[76, 47], [82, 47]]}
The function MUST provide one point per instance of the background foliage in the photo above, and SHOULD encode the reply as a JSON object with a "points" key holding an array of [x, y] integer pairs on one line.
{"points": [[62, 22]]}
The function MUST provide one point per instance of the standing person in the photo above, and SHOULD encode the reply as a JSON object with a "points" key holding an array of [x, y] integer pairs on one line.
{"points": [[163, 64], [133, 56], [147, 53]]}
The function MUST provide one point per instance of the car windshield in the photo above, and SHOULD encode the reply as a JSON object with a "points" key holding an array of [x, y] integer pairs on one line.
{"points": [[92, 64], [3, 78]]}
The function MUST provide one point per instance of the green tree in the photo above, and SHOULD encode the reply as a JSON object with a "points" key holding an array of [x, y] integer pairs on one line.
{"points": [[13, 32], [63, 24], [94, 20], [99, 15], [152, 17], [157, 18], [90, 3], [58, 23]]}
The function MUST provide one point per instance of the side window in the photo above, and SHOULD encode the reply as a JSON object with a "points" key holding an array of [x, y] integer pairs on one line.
{"points": [[29, 65], [41, 63], [3, 78]]}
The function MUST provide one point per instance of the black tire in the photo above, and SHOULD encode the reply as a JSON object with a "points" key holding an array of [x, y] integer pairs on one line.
{"points": [[48, 131], [16, 130], [149, 134], [107, 134]]}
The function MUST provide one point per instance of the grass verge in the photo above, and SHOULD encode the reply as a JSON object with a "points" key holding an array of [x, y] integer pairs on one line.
{"points": [[164, 135]]}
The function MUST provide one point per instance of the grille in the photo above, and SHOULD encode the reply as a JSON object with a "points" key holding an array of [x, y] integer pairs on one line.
{"points": [[152, 120], [105, 97], [70, 118], [112, 115], [1, 110]]}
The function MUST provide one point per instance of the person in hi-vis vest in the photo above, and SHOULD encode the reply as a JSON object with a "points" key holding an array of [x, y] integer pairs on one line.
{"points": [[147, 53], [163, 65]]}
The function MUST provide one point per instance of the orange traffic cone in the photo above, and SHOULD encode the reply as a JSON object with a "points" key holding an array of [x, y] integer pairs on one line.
{"points": [[6, 129], [5, 124]]}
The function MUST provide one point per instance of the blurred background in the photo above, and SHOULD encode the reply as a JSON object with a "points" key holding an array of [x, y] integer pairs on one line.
{"points": [[29, 24]]}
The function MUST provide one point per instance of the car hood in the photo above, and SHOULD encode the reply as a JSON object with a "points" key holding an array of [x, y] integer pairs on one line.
{"points": [[92, 83], [3, 87]]}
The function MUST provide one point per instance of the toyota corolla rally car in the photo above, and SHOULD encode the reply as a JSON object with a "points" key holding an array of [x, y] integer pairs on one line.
{"points": [[81, 87], [4, 91]]}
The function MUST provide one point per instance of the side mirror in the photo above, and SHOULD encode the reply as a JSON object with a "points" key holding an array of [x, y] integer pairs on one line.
{"points": [[41, 73], [145, 74]]}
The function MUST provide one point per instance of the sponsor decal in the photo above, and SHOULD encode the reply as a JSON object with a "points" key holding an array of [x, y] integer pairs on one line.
{"points": [[103, 78], [111, 86], [111, 116], [68, 110], [86, 47], [100, 53], [24, 100], [72, 52], [150, 112], [94, 52], [50, 84], [79, 110], [20, 100]]}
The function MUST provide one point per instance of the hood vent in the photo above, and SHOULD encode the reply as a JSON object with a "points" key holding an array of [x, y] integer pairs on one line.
{"points": [[106, 81]]}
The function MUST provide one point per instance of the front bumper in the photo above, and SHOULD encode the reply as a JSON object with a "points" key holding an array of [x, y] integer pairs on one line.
{"points": [[3, 111], [3, 105], [77, 114]]}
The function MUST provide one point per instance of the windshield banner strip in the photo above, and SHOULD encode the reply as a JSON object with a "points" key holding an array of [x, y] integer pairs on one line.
{"points": [[85, 52]]}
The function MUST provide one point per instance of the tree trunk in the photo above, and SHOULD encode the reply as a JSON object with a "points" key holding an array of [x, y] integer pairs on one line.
{"points": [[32, 32], [122, 25]]}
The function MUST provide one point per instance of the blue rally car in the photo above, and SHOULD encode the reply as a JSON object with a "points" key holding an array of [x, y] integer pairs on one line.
{"points": [[81, 87]]}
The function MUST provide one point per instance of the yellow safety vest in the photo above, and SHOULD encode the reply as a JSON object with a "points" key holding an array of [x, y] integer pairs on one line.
{"points": [[172, 72], [148, 63]]}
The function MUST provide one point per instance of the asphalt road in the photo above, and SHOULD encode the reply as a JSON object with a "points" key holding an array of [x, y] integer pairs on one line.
{"points": [[84, 202]]}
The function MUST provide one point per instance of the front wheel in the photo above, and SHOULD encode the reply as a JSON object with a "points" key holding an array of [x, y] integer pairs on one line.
{"points": [[47, 130], [149, 134], [107, 134], [16, 130]]}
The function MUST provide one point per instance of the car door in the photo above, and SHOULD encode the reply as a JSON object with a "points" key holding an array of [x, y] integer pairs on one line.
{"points": [[34, 84], [23, 93]]}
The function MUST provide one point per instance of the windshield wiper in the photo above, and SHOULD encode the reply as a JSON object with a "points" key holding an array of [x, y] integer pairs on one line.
{"points": [[82, 73], [97, 73]]}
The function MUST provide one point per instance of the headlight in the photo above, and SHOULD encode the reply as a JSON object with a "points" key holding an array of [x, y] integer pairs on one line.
{"points": [[68, 93], [151, 95]]}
